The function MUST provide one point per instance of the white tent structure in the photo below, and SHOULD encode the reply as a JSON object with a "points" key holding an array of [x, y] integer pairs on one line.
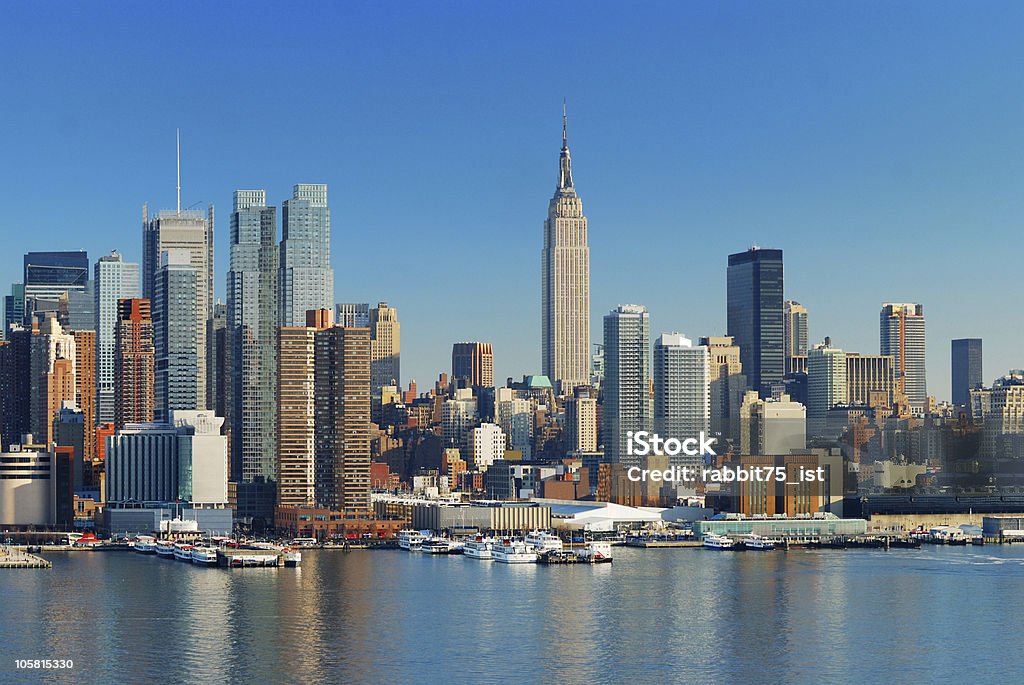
{"points": [[598, 516]]}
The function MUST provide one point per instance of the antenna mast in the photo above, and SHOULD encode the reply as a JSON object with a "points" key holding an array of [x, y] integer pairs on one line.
{"points": [[177, 133]]}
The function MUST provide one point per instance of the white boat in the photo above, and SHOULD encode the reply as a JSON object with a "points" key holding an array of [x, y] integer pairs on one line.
{"points": [[411, 540], [438, 545], [145, 544], [292, 557], [509, 551], [204, 556], [713, 541], [757, 542], [479, 548], [542, 541], [183, 551], [597, 552], [165, 548]]}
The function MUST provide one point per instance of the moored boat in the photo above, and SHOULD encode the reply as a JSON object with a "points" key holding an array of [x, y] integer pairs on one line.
{"points": [[411, 540], [204, 556], [597, 552], [509, 551], [541, 541], [183, 551], [756, 542], [712, 541], [439, 545], [292, 557], [165, 548], [479, 548], [145, 544]]}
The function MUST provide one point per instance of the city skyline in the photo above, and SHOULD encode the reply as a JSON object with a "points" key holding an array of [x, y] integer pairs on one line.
{"points": [[760, 173]]}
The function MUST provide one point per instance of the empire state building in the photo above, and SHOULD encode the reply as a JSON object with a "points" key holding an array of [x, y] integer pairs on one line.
{"points": [[565, 283]]}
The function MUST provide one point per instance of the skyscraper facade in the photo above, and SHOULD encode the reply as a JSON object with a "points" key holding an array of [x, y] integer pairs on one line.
{"points": [[794, 332], [134, 363], [175, 334], [14, 307], [565, 283], [627, 380], [682, 391], [191, 233], [385, 353], [870, 379], [51, 376], [755, 315], [85, 386], [728, 385], [296, 418], [251, 337], [473, 363], [902, 335], [306, 279], [826, 383], [113, 280], [50, 276], [967, 368], [342, 423]]}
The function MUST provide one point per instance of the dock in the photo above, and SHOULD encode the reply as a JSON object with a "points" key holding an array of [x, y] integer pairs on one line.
{"points": [[649, 544], [12, 558]]}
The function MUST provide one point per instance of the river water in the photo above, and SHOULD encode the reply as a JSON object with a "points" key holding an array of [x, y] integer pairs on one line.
{"points": [[938, 614]]}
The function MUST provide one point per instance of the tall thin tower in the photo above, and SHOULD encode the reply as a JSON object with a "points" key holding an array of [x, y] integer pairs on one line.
{"points": [[182, 230], [565, 282]]}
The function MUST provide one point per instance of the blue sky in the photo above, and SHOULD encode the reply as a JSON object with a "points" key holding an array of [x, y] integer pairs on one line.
{"points": [[880, 145]]}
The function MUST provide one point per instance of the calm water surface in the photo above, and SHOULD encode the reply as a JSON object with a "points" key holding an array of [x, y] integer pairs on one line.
{"points": [[660, 616]]}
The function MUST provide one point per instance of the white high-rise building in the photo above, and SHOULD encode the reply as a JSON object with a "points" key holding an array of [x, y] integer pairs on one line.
{"points": [[794, 325], [176, 334], [627, 380], [458, 416], [826, 383], [191, 233], [252, 337], [565, 284], [488, 444], [901, 334], [115, 279], [306, 279], [682, 391], [515, 417]]}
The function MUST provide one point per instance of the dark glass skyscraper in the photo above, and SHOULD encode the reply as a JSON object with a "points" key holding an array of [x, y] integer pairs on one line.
{"points": [[755, 315], [51, 275], [967, 369]]}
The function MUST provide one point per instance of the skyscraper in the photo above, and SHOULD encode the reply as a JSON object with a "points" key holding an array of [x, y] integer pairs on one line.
{"points": [[306, 279], [565, 283], [51, 376], [175, 334], [795, 331], [682, 391], [826, 383], [296, 418], [134, 379], [627, 380], [342, 423], [728, 385], [353, 315], [190, 233], [385, 353], [755, 315], [473, 362], [870, 379], [114, 280], [967, 368], [251, 337], [85, 386], [49, 276], [902, 336], [14, 307]]}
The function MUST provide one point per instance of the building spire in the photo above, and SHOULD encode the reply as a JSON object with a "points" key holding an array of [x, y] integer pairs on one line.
{"points": [[565, 127], [564, 161]]}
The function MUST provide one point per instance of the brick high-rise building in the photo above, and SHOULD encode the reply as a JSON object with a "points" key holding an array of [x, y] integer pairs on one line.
{"points": [[342, 393], [296, 413], [134, 378], [51, 376], [85, 387], [473, 362]]}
